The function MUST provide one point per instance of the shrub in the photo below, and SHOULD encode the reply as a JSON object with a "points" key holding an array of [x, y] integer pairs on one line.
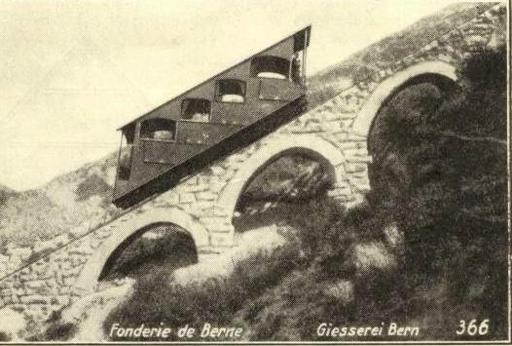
{"points": [[4, 337], [60, 332], [91, 186], [452, 163]]}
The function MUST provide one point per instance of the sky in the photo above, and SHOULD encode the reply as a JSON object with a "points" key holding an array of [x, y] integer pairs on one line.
{"points": [[72, 72]]}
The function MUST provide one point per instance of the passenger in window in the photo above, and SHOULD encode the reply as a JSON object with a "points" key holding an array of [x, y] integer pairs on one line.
{"points": [[297, 68], [163, 135], [272, 75], [270, 67], [197, 110], [158, 128], [232, 98], [200, 117], [232, 91]]}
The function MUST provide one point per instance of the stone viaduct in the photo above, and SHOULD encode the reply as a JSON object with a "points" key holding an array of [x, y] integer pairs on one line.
{"points": [[335, 134]]}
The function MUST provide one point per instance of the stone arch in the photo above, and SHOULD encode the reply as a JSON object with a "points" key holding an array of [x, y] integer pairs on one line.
{"points": [[313, 146], [177, 243], [431, 69], [89, 275]]}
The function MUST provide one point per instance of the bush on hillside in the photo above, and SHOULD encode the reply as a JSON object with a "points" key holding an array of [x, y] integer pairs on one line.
{"points": [[453, 202], [93, 185]]}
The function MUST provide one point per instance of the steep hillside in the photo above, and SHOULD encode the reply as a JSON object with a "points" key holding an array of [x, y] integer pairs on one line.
{"points": [[70, 203], [361, 65]]}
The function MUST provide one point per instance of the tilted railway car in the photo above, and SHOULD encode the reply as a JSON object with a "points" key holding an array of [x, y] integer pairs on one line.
{"points": [[224, 113]]}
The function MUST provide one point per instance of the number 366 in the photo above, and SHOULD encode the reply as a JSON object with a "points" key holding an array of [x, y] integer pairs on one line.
{"points": [[473, 328]]}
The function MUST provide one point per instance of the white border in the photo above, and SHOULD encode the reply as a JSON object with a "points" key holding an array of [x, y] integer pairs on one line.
{"points": [[408, 342]]}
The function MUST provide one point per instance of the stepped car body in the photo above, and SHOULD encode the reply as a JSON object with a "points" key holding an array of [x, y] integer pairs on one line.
{"points": [[222, 114]]}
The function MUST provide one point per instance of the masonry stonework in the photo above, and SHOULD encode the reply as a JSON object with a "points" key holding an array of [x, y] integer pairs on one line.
{"points": [[335, 133]]}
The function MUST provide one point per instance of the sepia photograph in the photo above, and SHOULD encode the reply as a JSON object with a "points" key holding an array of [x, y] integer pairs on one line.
{"points": [[242, 171]]}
